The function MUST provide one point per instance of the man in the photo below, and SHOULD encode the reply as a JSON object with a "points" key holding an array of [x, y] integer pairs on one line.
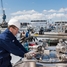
{"points": [[27, 33], [28, 36], [9, 44]]}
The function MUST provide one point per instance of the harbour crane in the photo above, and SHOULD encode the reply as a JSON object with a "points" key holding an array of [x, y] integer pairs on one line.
{"points": [[4, 24]]}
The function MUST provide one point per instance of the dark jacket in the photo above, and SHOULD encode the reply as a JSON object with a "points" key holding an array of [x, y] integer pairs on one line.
{"points": [[27, 34], [9, 44]]}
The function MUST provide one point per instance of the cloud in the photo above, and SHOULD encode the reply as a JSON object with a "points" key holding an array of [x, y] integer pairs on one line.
{"points": [[52, 10], [45, 14], [62, 10], [24, 12], [28, 15]]}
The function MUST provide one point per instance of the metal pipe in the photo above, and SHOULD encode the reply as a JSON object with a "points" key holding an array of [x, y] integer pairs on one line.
{"points": [[50, 36], [32, 64], [59, 36], [49, 33]]}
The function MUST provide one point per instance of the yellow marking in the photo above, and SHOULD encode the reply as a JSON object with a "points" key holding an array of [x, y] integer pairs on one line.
{"points": [[36, 34]]}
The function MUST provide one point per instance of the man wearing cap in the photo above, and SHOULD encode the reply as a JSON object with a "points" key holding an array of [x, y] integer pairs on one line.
{"points": [[9, 44]]}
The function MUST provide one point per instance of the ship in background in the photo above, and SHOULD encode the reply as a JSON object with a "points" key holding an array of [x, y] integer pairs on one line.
{"points": [[43, 25], [4, 23]]}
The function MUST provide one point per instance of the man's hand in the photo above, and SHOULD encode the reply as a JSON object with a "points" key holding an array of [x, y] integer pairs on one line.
{"points": [[29, 55]]}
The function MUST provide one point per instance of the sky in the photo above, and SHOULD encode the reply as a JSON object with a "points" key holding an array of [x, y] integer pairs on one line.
{"points": [[27, 10]]}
